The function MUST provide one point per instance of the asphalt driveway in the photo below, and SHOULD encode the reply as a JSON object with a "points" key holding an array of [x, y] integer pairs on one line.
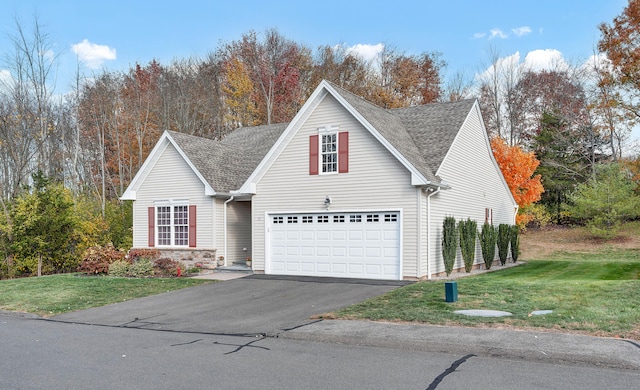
{"points": [[256, 304]]}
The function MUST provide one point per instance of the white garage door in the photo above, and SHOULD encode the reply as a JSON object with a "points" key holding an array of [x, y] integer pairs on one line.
{"points": [[348, 245]]}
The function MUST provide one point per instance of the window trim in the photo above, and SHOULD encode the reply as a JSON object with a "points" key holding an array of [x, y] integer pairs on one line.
{"points": [[172, 204], [322, 133]]}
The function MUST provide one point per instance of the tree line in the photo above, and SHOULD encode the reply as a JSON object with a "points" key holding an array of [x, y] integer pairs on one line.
{"points": [[91, 141]]}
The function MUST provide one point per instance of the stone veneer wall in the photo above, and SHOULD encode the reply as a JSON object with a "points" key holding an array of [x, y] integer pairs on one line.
{"points": [[189, 257]]}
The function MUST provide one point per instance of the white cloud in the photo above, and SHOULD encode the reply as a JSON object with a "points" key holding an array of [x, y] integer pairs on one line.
{"points": [[5, 77], [497, 33], [508, 62], [536, 61], [547, 59], [521, 31], [93, 55], [365, 51]]}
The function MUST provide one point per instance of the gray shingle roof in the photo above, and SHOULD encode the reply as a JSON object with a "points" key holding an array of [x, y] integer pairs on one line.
{"points": [[227, 164], [422, 134], [433, 127], [390, 126]]}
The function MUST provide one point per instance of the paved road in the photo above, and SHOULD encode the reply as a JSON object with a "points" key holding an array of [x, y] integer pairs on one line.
{"points": [[257, 304], [40, 354]]}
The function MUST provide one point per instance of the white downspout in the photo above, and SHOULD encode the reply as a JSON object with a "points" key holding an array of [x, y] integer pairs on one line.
{"points": [[224, 227], [429, 247]]}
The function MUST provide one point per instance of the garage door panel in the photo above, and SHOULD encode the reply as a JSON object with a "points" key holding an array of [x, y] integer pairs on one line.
{"points": [[307, 235], [340, 268], [355, 252], [373, 269], [355, 235], [339, 251], [307, 266], [373, 252], [323, 251], [358, 245], [373, 235], [323, 235]]}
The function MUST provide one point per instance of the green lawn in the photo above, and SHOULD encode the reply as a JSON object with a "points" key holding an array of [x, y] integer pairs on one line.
{"points": [[596, 293], [55, 294]]}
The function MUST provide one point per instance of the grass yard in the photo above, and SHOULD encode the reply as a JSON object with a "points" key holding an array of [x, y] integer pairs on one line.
{"points": [[55, 294], [592, 287]]}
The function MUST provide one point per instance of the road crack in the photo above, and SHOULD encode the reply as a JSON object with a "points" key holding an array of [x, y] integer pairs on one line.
{"points": [[454, 366]]}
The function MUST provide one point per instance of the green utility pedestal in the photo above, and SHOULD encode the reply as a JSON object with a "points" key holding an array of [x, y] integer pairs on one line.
{"points": [[451, 291]]}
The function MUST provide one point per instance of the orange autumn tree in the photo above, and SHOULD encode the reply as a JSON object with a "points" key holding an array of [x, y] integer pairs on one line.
{"points": [[517, 167]]}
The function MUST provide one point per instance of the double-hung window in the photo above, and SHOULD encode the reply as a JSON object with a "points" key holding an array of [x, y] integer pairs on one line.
{"points": [[329, 151], [172, 223]]}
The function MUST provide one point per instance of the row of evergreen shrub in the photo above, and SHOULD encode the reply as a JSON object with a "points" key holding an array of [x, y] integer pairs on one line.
{"points": [[463, 234]]}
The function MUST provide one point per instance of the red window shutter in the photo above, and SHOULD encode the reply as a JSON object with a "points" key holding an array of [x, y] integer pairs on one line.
{"points": [[313, 155], [152, 226], [343, 152], [192, 226]]}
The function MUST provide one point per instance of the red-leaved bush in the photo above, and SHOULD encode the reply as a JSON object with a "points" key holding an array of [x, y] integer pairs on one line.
{"points": [[96, 259]]}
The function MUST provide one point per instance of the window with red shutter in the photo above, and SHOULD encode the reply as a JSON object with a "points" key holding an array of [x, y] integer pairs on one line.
{"points": [[313, 154], [192, 226], [343, 152], [152, 226]]}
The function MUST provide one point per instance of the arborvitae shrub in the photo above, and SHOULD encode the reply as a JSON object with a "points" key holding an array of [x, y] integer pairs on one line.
{"points": [[449, 243], [504, 236], [468, 233], [488, 238], [515, 242]]}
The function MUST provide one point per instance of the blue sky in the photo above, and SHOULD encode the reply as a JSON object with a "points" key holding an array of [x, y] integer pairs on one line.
{"points": [[116, 34]]}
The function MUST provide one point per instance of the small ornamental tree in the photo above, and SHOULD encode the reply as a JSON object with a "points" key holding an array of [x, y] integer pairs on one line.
{"points": [[518, 167], [449, 243], [606, 200], [43, 227], [488, 238], [504, 237], [515, 242], [468, 232]]}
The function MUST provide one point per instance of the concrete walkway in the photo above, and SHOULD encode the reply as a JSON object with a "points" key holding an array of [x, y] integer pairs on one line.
{"points": [[222, 276]]}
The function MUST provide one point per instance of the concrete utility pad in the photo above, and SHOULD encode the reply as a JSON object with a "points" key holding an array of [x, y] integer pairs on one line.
{"points": [[483, 313], [540, 312]]}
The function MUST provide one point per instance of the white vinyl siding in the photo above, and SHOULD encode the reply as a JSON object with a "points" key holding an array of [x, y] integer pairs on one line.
{"points": [[376, 181], [184, 185], [475, 183]]}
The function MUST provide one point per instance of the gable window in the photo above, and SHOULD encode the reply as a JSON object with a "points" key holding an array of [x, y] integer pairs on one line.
{"points": [[172, 224], [329, 151]]}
